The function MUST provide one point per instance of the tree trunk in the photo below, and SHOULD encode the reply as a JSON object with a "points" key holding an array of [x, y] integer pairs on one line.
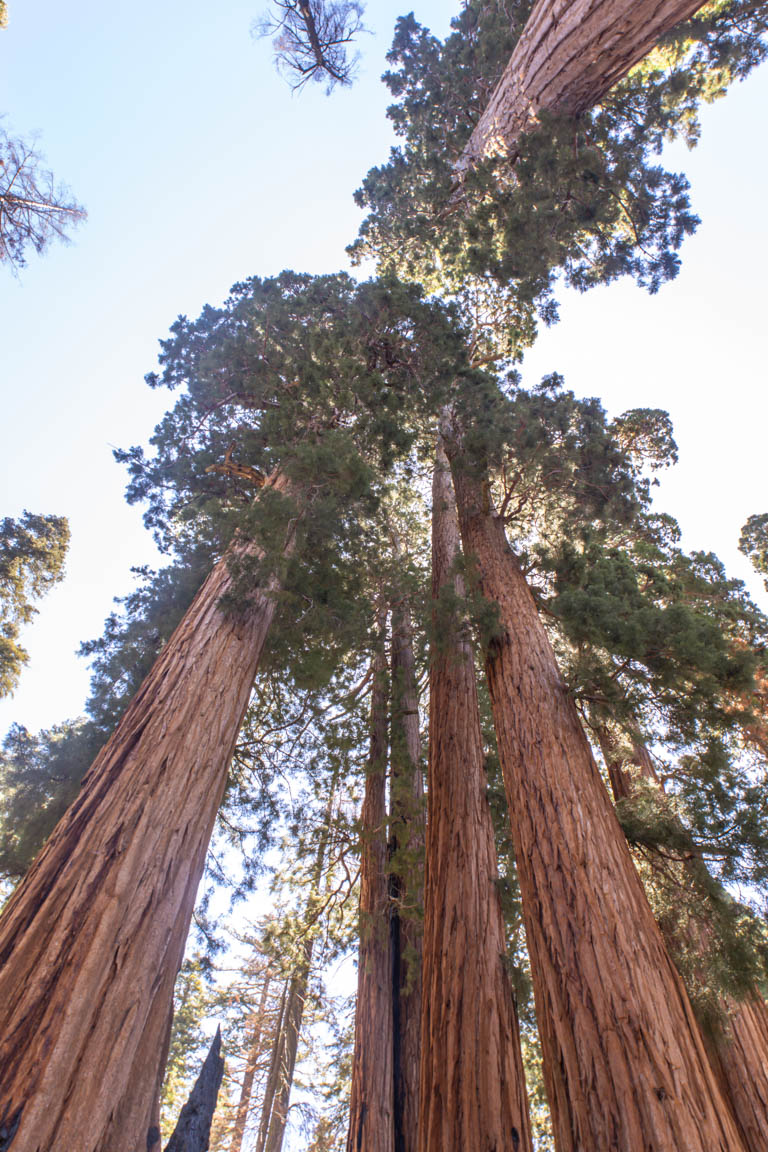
{"points": [[407, 877], [251, 1061], [297, 994], [193, 1128], [273, 1074], [624, 1062], [472, 1083], [92, 940], [568, 56], [740, 1053], [371, 1101]]}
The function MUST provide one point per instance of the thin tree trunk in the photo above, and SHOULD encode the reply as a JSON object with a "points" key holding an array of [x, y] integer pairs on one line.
{"points": [[371, 1101], [273, 1075], [624, 1062], [740, 1053], [297, 994], [568, 56], [407, 831], [472, 1083], [92, 940], [252, 1059]]}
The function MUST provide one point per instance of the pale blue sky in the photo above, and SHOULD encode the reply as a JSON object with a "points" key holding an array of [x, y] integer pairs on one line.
{"points": [[199, 168]]}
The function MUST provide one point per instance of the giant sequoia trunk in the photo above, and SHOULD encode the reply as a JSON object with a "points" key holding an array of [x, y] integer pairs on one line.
{"points": [[92, 940], [472, 1083], [570, 53], [624, 1063], [407, 878], [740, 1053], [371, 1125]]}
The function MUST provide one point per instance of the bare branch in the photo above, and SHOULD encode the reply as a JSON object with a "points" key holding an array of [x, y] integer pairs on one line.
{"points": [[33, 209], [311, 39]]}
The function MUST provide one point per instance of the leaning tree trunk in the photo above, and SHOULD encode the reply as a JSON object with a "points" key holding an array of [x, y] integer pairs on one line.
{"points": [[92, 940], [472, 1083], [371, 1101], [740, 1053], [568, 56], [624, 1062], [407, 876]]}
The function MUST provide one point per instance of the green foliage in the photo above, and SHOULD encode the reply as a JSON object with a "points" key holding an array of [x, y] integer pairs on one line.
{"points": [[328, 383], [131, 641], [3, 14], [32, 553], [754, 543], [39, 778], [582, 199]]}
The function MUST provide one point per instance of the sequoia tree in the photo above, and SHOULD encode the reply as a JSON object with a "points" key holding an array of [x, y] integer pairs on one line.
{"points": [[275, 386], [472, 1083], [566, 59], [624, 1061]]}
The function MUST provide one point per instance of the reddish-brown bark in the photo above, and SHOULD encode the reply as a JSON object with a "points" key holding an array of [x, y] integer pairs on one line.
{"points": [[371, 1106], [407, 819], [568, 56], [472, 1083], [92, 940], [624, 1063], [739, 1053]]}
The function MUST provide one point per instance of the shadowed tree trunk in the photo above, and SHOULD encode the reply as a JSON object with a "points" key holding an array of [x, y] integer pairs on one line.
{"points": [[624, 1062], [407, 875], [568, 56], [740, 1053], [92, 940], [255, 1045], [472, 1083], [371, 1101], [193, 1128]]}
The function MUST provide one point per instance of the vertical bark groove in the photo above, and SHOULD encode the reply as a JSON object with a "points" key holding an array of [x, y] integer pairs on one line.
{"points": [[472, 1083], [568, 56], [624, 1062]]}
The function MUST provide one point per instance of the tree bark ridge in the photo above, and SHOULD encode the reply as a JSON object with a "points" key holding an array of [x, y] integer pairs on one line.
{"points": [[568, 56], [624, 1062], [472, 1082]]}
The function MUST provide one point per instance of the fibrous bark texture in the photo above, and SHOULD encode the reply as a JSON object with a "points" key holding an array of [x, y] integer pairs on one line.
{"points": [[92, 940], [570, 53], [193, 1128], [739, 1053], [624, 1062], [407, 878], [371, 1103], [472, 1082]]}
